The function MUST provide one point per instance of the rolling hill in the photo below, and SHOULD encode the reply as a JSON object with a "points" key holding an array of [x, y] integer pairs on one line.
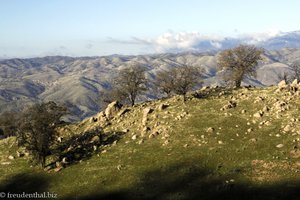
{"points": [[77, 82]]}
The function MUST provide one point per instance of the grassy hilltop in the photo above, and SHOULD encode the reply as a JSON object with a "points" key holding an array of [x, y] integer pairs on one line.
{"points": [[219, 144]]}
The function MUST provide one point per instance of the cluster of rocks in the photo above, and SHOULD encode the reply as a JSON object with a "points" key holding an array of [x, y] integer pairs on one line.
{"points": [[230, 104], [292, 89]]}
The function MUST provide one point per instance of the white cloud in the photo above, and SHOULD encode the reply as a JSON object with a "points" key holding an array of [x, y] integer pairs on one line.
{"points": [[255, 38], [185, 41]]}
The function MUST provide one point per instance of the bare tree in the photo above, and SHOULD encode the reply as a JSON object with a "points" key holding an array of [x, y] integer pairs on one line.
{"points": [[178, 80], [239, 63], [164, 81], [36, 129], [129, 83], [296, 70], [284, 76]]}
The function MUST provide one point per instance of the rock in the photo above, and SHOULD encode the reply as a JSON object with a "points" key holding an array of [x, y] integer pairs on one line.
{"points": [[19, 154], [295, 153], [287, 128], [282, 85], [220, 142], [185, 146], [123, 111], [210, 130], [258, 114], [59, 139], [26, 154], [146, 111], [243, 111], [230, 104], [162, 106], [253, 140], [48, 168], [5, 163], [119, 167], [250, 130], [295, 83], [125, 130], [279, 145], [58, 164], [166, 142], [134, 137], [112, 109], [11, 157], [58, 169], [140, 141], [95, 139], [95, 147], [265, 109]]}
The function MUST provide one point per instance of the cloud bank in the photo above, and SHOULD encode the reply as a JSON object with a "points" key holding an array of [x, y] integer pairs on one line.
{"points": [[195, 41]]}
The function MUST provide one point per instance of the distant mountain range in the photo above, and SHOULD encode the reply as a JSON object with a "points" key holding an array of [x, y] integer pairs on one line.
{"points": [[77, 82], [278, 41]]}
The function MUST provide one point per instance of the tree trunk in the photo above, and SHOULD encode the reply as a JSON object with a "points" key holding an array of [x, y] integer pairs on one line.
{"points": [[238, 83]]}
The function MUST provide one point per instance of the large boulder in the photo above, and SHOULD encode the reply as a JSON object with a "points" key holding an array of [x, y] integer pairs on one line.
{"points": [[112, 109]]}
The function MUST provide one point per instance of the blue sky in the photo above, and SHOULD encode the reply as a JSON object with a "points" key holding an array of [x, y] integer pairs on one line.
{"points": [[101, 27]]}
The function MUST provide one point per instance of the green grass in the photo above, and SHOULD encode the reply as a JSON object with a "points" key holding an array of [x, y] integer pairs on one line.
{"points": [[193, 165]]}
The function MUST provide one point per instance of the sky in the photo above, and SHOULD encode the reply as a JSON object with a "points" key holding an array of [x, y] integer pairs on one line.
{"points": [[31, 28]]}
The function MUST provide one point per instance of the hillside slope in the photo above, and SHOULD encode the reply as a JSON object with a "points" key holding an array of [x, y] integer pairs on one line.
{"points": [[220, 144]]}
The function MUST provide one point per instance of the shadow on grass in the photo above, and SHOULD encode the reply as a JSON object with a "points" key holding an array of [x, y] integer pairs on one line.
{"points": [[186, 182], [83, 146], [28, 183]]}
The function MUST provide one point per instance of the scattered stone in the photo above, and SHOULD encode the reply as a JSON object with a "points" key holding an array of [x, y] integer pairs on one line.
{"points": [[278, 135], [125, 131], [123, 111], [58, 169], [282, 85], [19, 154], [258, 114], [140, 141], [229, 105], [287, 128], [210, 130], [5, 163], [134, 137], [295, 153], [95, 139], [112, 109], [250, 130], [119, 167], [11, 157], [185, 146], [265, 109], [279, 145], [166, 142], [162, 106], [65, 160], [95, 147], [60, 139]]}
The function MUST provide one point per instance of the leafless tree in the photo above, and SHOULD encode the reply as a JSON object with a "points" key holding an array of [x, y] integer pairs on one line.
{"points": [[296, 70], [239, 63], [178, 80], [129, 83]]}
